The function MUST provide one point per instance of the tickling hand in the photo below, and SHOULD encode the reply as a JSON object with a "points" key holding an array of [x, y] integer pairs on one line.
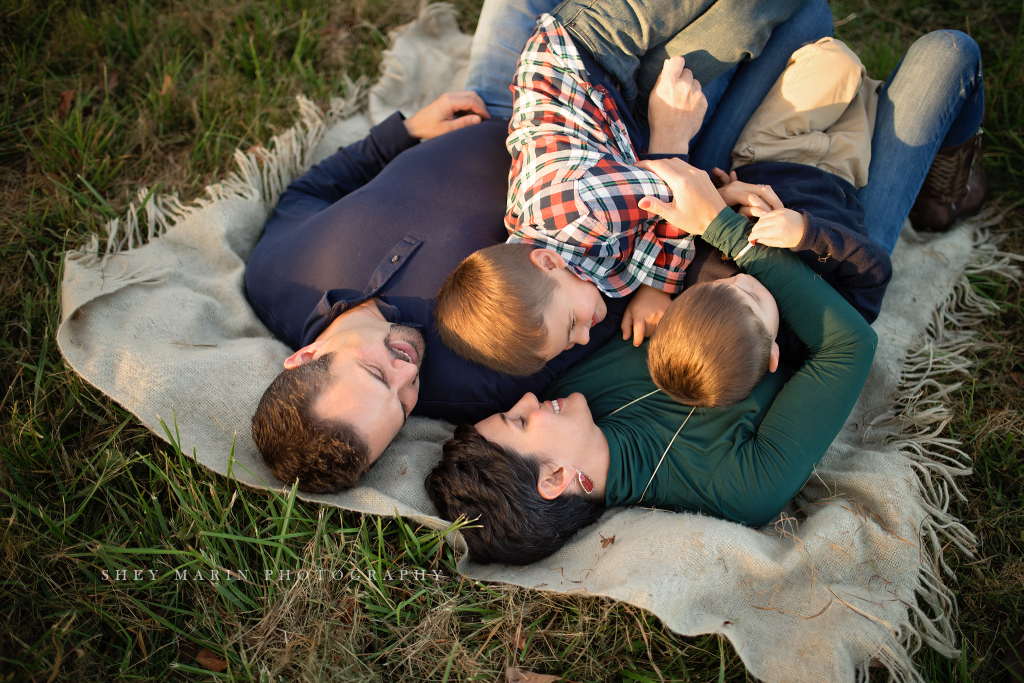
{"points": [[753, 200], [695, 201], [449, 112], [779, 228], [676, 109], [643, 313]]}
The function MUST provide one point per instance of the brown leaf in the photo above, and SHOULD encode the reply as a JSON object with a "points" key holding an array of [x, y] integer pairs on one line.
{"points": [[167, 85], [1017, 376], [66, 98], [112, 80], [520, 640], [605, 542], [516, 675], [211, 661], [345, 609]]}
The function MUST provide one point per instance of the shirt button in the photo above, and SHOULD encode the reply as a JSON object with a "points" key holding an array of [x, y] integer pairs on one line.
{"points": [[394, 259]]}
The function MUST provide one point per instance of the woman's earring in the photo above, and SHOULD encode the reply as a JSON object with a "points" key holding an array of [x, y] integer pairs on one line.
{"points": [[586, 482]]}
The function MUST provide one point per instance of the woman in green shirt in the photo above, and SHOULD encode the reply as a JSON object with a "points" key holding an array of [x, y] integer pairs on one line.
{"points": [[603, 435]]}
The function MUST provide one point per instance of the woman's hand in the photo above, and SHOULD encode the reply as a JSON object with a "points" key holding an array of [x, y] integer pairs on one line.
{"points": [[753, 200], [782, 228], [643, 313], [675, 110], [449, 112], [695, 201]]}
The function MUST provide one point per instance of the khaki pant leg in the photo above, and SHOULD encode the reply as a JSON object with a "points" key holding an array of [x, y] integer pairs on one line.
{"points": [[813, 95]]}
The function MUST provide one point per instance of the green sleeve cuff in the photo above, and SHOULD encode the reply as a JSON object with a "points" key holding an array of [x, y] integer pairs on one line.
{"points": [[729, 233]]}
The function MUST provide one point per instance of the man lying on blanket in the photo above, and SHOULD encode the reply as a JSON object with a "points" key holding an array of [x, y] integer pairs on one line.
{"points": [[348, 268]]}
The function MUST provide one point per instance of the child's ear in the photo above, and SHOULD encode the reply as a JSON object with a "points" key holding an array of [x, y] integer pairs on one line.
{"points": [[547, 259], [554, 480], [773, 360]]}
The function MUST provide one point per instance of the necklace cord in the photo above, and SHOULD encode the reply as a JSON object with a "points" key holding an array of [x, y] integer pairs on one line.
{"points": [[655, 473]]}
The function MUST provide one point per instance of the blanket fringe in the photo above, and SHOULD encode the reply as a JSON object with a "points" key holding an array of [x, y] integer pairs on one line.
{"points": [[913, 427], [262, 173]]}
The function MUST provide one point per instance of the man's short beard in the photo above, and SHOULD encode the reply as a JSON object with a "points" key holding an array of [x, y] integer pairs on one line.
{"points": [[410, 335]]}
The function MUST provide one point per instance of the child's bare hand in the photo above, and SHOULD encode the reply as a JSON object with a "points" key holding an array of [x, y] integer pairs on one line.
{"points": [[676, 109], [782, 228], [753, 200], [643, 313]]}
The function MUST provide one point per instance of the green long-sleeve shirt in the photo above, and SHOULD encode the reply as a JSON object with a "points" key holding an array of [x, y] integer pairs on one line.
{"points": [[746, 461]]}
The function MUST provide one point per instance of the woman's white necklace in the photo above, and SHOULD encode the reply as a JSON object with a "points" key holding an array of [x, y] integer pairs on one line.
{"points": [[655, 473]]}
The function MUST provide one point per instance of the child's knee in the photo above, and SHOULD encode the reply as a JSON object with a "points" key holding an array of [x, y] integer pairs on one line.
{"points": [[827, 67]]}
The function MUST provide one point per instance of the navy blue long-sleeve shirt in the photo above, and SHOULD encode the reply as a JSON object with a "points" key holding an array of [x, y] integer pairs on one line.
{"points": [[389, 218]]}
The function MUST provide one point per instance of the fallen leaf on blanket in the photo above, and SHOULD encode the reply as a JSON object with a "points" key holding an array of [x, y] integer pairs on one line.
{"points": [[211, 661], [605, 542], [66, 98], [167, 85], [516, 675]]}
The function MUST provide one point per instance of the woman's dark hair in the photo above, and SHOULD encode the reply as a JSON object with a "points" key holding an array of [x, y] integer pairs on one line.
{"points": [[497, 487]]}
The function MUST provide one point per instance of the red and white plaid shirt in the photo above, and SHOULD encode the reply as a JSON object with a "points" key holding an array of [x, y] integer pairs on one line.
{"points": [[573, 186]]}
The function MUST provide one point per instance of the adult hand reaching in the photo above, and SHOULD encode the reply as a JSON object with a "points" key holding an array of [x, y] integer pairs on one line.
{"points": [[695, 200], [449, 112], [675, 110]]}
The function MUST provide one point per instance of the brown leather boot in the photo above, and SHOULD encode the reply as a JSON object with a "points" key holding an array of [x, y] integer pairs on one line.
{"points": [[956, 187]]}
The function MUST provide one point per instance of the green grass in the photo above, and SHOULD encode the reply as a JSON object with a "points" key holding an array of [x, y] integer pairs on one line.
{"points": [[161, 94]]}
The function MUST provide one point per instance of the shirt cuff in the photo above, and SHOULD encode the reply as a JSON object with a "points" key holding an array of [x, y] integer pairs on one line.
{"points": [[729, 233], [392, 135]]}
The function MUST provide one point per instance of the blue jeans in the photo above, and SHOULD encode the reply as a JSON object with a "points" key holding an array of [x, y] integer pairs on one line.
{"points": [[715, 38], [934, 99]]}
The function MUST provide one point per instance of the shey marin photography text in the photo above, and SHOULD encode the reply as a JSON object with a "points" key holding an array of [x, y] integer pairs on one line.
{"points": [[132, 575]]}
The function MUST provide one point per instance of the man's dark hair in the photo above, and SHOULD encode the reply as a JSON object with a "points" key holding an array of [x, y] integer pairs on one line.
{"points": [[324, 456], [497, 487]]}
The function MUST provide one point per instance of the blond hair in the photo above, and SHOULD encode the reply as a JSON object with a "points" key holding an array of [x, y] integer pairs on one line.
{"points": [[709, 350], [490, 310]]}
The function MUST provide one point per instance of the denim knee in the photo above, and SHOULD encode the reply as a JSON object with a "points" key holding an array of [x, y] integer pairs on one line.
{"points": [[950, 44]]}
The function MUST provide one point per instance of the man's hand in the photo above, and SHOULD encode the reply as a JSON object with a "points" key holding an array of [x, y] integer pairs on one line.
{"points": [[695, 201], [782, 228], [753, 200], [643, 313], [675, 110], [449, 112]]}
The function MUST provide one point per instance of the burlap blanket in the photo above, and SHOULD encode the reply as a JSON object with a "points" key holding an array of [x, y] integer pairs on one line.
{"points": [[156, 317]]}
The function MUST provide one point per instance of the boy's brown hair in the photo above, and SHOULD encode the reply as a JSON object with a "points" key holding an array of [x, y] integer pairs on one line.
{"points": [[490, 310], [709, 349]]}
